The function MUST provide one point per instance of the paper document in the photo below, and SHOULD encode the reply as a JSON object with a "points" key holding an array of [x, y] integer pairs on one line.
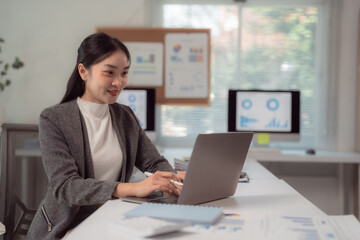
{"points": [[186, 65], [147, 63], [346, 226], [234, 226]]}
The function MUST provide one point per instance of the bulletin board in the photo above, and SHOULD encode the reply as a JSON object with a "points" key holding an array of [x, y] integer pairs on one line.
{"points": [[159, 35]]}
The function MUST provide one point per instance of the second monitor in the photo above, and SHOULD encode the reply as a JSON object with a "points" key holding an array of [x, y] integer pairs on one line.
{"points": [[276, 112], [142, 102]]}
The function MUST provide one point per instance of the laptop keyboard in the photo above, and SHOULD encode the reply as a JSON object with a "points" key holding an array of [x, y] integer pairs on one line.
{"points": [[166, 198]]}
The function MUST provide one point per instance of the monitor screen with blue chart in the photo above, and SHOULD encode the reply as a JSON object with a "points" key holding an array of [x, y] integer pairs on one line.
{"points": [[142, 102], [263, 111]]}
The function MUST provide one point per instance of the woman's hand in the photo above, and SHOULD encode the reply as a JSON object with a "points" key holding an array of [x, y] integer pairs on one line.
{"points": [[180, 178], [181, 175], [158, 181]]}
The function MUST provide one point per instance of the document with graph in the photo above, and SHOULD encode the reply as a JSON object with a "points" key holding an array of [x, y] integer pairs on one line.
{"points": [[268, 227]]}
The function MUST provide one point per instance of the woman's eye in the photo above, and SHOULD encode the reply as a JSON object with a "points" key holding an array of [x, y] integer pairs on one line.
{"points": [[109, 72]]}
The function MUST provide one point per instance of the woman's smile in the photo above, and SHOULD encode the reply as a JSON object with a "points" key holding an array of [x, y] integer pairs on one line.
{"points": [[113, 92]]}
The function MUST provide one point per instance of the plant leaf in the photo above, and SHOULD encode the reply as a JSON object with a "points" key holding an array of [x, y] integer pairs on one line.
{"points": [[1, 87], [17, 63], [7, 82], [2, 40], [6, 67]]}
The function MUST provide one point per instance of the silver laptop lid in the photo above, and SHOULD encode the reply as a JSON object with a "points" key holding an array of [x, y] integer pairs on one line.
{"points": [[215, 166]]}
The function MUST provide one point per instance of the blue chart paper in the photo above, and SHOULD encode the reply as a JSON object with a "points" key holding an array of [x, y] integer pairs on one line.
{"points": [[194, 214], [269, 227]]}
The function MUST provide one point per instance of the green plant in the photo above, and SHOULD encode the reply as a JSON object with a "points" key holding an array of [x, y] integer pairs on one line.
{"points": [[5, 81]]}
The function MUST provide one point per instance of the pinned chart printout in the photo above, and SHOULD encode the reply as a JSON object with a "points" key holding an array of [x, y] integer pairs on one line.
{"points": [[186, 63], [146, 63]]}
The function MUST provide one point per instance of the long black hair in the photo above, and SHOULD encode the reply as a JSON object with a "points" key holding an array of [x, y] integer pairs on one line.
{"points": [[93, 49]]}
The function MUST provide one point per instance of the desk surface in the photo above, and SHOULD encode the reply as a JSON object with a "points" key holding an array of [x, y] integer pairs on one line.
{"points": [[301, 156], [265, 194], [325, 157]]}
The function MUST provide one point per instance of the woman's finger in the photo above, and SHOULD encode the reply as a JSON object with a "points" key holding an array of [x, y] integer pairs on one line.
{"points": [[181, 175], [162, 181]]}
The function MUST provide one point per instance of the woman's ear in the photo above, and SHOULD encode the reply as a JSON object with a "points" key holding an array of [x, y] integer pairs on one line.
{"points": [[83, 72]]}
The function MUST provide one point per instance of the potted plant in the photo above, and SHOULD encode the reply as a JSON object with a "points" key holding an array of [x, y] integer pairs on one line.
{"points": [[4, 79], [5, 67]]}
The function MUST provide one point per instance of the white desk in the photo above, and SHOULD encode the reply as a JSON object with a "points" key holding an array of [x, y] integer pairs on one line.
{"points": [[265, 194], [320, 157], [301, 156]]}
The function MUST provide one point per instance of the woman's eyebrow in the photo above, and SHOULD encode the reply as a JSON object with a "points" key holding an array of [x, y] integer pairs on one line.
{"points": [[115, 67], [110, 66]]}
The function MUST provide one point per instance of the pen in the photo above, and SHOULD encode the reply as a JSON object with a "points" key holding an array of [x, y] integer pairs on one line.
{"points": [[148, 174]]}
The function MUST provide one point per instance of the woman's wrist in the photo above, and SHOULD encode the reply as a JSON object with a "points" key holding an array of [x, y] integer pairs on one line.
{"points": [[123, 190]]}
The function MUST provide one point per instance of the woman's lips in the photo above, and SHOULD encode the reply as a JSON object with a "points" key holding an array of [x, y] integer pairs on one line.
{"points": [[113, 92]]}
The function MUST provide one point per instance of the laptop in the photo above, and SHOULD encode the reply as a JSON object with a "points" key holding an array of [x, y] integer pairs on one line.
{"points": [[213, 172]]}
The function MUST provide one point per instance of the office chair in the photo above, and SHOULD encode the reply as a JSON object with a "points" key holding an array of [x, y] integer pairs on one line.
{"points": [[21, 170]]}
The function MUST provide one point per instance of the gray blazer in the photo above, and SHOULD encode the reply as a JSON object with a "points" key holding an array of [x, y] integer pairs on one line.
{"points": [[73, 193]]}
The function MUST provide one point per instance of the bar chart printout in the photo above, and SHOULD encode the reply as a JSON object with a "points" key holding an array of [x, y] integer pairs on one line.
{"points": [[235, 226]]}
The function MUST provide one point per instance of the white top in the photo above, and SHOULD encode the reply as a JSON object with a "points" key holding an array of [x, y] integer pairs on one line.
{"points": [[105, 148]]}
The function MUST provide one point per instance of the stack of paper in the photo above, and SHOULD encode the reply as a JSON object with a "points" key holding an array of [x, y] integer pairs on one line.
{"points": [[181, 164]]}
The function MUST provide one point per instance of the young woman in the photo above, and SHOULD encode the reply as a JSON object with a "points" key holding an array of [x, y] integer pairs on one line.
{"points": [[90, 144]]}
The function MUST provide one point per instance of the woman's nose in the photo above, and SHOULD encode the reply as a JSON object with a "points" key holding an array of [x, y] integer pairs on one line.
{"points": [[119, 81]]}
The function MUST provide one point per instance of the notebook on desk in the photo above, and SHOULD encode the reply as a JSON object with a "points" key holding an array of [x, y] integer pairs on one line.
{"points": [[177, 212], [213, 172]]}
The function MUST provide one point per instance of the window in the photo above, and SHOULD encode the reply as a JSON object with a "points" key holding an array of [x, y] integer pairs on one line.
{"points": [[254, 46]]}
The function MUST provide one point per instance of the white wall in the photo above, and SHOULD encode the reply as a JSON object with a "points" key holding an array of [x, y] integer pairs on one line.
{"points": [[347, 74], [45, 34]]}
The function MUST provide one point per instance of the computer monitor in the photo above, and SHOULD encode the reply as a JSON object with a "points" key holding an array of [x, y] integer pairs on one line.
{"points": [[142, 102], [276, 112]]}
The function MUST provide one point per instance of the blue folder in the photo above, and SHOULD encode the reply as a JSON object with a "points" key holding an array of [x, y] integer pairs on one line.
{"points": [[175, 212]]}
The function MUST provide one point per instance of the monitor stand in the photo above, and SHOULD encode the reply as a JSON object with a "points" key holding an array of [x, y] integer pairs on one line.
{"points": [[264, 150], [257, 148]]}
